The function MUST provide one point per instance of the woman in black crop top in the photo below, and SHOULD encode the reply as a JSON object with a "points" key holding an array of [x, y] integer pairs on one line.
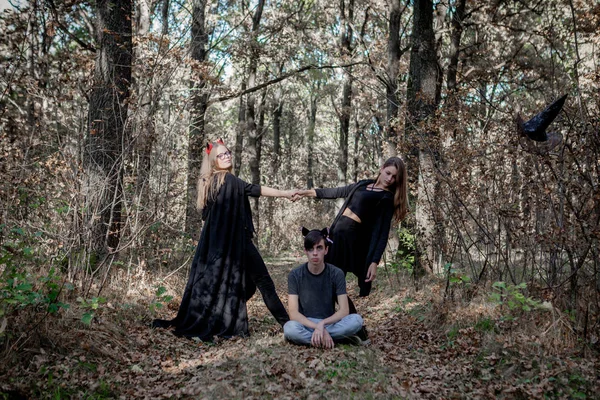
{"points": [[361, 228]]}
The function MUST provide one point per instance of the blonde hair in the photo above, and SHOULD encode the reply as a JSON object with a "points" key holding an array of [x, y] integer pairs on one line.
{"points": [[211, 178], [400, 187]]}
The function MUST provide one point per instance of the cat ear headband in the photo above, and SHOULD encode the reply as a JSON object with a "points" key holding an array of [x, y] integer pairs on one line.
{"points": [[324, 232], [209, 145]]}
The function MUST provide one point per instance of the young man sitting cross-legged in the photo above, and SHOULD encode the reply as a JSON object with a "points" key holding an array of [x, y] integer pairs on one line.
{"points": [[313, 288]]}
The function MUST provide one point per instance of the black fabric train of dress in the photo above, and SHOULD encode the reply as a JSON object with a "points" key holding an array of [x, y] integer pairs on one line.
{"points": [[225, 271]]}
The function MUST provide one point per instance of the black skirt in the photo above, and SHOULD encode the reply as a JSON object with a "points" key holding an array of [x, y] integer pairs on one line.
{"points": [[349, 250]]}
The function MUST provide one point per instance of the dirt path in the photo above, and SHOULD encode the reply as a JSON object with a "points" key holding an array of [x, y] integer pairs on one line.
{"points": [[120, 357]]}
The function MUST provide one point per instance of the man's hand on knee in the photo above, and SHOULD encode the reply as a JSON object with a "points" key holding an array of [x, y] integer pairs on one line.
{"points": [[327, 342], [317, 335], [321, 338]]}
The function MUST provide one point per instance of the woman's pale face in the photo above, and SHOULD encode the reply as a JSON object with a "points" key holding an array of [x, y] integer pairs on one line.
{"points": [[223, 157], [388, 176]]}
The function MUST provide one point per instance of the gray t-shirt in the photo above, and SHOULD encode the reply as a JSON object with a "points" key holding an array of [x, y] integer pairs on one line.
{"points": [[316, 293]]}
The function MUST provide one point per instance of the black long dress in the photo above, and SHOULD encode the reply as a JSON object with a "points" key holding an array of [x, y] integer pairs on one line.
{"points": [[214, 300]]}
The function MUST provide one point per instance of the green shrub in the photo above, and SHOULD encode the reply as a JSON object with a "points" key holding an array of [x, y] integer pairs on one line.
{"points": [[90, 306], [485, 325], [160, 299], [455, 277], [405, 256], [512, 296], [19, 289]]}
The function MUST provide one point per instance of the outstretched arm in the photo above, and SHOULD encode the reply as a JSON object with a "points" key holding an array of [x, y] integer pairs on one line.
{"points": [[271, 192], [329, 193], [307, 193]]}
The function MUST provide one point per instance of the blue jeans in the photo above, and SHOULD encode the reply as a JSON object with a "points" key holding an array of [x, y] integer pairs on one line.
{"points": [[297, 333]]}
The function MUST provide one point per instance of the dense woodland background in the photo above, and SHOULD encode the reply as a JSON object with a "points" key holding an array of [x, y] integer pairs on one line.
{"points": [[105, 107]]}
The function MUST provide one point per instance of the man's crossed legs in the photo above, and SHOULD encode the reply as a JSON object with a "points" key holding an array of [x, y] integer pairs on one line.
{"points": [[345, 328]]}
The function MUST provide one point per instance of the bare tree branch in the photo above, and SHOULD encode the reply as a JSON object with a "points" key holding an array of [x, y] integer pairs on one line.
{"points": [[281, 78], [63, 28]]}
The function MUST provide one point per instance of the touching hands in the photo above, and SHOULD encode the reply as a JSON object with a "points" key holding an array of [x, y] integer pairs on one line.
{"points": [[300, 193], [307, 192], [297, 194], [291, 195]]}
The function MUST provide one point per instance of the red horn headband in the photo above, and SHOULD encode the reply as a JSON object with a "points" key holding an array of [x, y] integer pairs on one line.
{"points": [[209, 145]]}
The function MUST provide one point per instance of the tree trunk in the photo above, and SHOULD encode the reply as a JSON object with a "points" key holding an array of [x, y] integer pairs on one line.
{"points": [[393, 66], [252, 128], [277, 113], [344, 118], [458, 15], [346, 36], [165, 17], [255, 169], [260, 129], [239, 134], [422, 99], [166, 114], [251, 104], [107, 136], [143, 130], [310, 139], [450, 126], [255, 135], [252, 133], [277, 104], [197, 114], [357, 155]]}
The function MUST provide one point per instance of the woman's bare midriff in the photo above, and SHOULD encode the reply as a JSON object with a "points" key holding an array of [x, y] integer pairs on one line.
{"points": [[350, 214]]}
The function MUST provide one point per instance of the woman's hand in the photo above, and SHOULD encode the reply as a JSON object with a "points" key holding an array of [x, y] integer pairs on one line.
{"points": [[288, 194], [307, 193], [371, 272], [292, 195]]}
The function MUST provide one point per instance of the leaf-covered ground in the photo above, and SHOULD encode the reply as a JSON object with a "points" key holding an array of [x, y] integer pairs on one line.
{"points": [[422, 348]]}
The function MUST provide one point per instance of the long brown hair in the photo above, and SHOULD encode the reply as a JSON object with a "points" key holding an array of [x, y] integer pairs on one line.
{"points": [[400, 187], [211, 179]]}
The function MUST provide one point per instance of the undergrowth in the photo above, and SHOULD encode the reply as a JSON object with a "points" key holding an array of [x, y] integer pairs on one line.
{"points": [[58, 344]]}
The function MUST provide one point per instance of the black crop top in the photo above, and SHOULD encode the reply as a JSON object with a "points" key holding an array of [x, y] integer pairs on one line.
{"points": [[364, 201]]}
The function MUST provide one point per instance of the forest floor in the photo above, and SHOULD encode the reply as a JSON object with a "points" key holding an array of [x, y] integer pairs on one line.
{"points": [[422, 347]]}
